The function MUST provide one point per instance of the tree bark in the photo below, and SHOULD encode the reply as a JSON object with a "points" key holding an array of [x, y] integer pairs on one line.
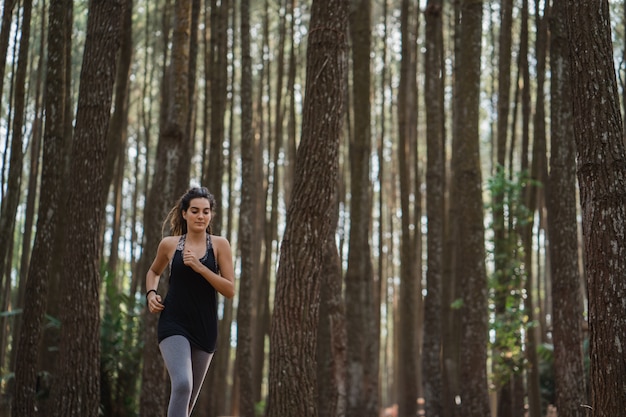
{"points": [[432, 366], [36, 284], [32, 188], [115, 161], [567, 307], [362, 370], [5, 33], [77, 391], [467, 189], [296, 311], [407, 343], [49, 348], [601, 165], [247, 221], [535, 203], [217, 78], [332, 337], [217, 19], [13, 187], [452, 281]]}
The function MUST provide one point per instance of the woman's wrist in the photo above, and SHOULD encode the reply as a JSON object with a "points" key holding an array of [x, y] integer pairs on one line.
{"points": [[148, 293]]}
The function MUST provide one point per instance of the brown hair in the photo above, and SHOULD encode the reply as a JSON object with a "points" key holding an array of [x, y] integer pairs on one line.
{"points": [[178, 225]]}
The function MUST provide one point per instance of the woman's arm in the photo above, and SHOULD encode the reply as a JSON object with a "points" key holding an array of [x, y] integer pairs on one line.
{"points": [[163, 256]]}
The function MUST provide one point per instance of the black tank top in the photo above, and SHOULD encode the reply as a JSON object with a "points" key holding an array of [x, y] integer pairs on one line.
{"points": [[191, 302]]}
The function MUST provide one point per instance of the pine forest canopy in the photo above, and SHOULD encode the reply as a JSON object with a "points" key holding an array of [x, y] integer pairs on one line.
{"points": [[425, 201]]}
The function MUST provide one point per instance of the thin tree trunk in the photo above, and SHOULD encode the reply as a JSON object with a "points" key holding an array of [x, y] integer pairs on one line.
{"points": [[271, 228], [5, 33], [193, 70], [125, 385], [452, 282], [33, 189], [569, 373], [408, 349], [467, 189], [290, 153], [534, 203], [382, 290], [362, 375], [432, 366], [36, 285], [216, 64], [49, 348], [11, 200], [218, 80], [117, 135], [504, 239], [247, 220]]}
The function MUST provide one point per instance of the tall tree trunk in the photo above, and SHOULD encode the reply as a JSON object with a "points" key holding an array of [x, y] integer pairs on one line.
{"points": [[217, 77], [504, 240], [77, 390], [272, 200], [361, 367], [296, 311], [193, 71], [451, 282], [290, 153], [602, 178], [117, 135], [12, 197], [432, 366], [49, 348], [5, 33], [381, 298], [36, 285], [534, 203], [247, 220], [467, 190], [117, 126], [216, 67], [32, 188], [567, 308], [176, 127], [408, 350], [117, 138]]}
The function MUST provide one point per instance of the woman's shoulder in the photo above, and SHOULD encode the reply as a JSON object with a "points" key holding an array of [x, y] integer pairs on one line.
{"points": [[218, 238], [169, 242], [220, 241]]}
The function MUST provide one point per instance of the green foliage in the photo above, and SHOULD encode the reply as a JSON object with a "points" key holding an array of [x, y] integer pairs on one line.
{"points": [[457, 304], [545, 354], [121, 347], [509, 321], [259, 408], [507, 195]]}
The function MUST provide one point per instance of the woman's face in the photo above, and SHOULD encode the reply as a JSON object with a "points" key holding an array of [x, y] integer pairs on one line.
{"points": [[198, 215]]}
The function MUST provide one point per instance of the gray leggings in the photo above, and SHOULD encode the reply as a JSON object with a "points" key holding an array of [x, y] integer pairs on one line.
{"points": [[187, 367]]}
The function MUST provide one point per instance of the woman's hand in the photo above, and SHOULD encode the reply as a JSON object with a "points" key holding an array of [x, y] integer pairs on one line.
{"points": [[192, 261], [155, 304]]}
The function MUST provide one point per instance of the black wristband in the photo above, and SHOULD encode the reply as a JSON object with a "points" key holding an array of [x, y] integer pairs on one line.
{"points": [[149, 291]]}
